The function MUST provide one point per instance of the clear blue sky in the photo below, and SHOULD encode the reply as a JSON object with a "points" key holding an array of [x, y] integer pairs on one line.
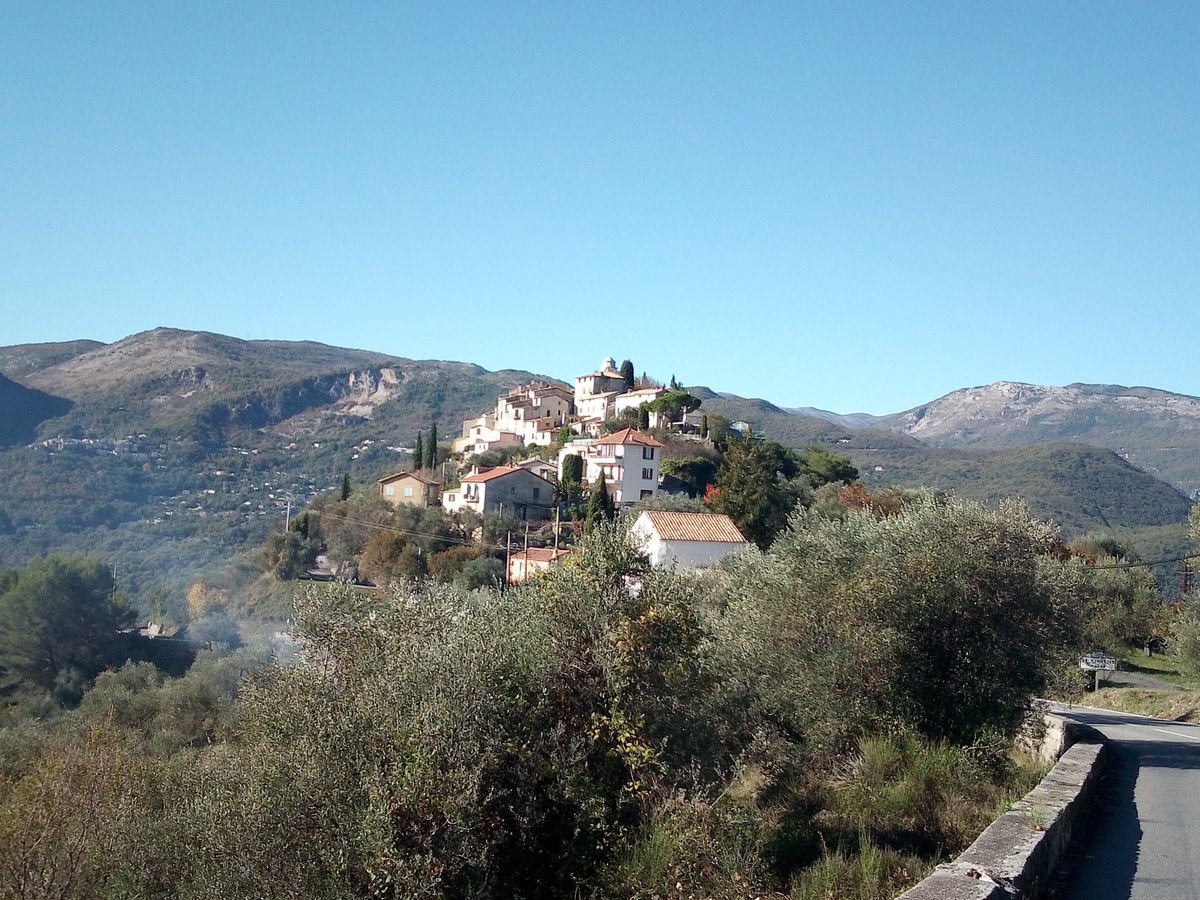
{"points": [[859, 207]]}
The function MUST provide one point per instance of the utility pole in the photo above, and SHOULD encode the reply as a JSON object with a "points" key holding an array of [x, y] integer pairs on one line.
{"points": [[1186, 579], [507, 557]]}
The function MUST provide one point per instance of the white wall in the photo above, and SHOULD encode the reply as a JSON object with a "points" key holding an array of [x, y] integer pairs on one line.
{"points": [[688, 554]]}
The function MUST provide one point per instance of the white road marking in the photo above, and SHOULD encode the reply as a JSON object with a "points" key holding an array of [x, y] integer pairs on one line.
{"points": [[1190, 737]]}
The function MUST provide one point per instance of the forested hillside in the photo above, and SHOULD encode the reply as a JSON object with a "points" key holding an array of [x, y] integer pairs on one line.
{"points": [[171, 452], [24, 409]]}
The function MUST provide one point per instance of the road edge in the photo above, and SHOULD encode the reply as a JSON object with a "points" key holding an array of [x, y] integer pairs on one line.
{"points": [[1019, 853]]}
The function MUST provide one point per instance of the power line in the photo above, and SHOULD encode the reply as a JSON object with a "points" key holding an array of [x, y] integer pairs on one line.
{"points": [[1138, 565]]}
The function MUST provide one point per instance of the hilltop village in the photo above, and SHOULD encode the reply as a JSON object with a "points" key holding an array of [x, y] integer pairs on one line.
{"points": [[546, 447]]}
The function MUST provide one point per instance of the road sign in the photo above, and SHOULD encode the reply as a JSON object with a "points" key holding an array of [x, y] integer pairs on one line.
{"points": [[1098, 662]]}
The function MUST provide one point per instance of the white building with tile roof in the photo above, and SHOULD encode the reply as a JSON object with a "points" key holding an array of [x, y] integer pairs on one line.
{"points": [[685, 540]]}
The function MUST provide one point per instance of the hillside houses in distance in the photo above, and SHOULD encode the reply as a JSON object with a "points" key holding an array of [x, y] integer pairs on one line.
{"points": [[629, 460], [532, 415], [544, 414]]}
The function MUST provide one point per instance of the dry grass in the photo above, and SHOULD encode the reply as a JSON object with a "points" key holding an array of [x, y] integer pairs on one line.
{"points": [[1179, 706]]}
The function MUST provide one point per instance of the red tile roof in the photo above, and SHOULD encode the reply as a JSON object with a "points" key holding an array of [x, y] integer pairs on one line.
{"points": [[416, 476], [629, 436], [689, 526], [495, 472]]}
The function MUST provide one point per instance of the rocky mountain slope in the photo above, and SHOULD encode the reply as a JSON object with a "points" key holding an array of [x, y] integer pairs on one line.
{"points": [[1158, 431], [171, 377], [170, 451]]}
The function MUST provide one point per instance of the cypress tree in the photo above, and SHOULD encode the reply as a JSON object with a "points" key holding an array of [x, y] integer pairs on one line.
{"points": [[418, 454], [346, 486], [572, 469], [432, 452], [600, 505], [627, 373]]}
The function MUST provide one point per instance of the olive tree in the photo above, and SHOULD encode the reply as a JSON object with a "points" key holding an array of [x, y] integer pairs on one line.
{"points": [[943, 618]]}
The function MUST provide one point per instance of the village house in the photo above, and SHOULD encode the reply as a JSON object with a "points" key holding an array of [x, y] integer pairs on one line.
{"points": [[485, 439], [473, 430], [410, 488], [596, 392], [532, 414], [529, 415], [629, 459], [685, 540], [535, 411], [502, 489], [634, 399], [531, 561], [539, 467]]}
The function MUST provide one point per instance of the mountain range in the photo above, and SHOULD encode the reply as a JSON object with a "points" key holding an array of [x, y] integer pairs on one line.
{"points": [[195, 442]]}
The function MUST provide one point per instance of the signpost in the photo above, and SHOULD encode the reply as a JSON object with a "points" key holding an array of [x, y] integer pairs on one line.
{"points": [[1096, 662]]}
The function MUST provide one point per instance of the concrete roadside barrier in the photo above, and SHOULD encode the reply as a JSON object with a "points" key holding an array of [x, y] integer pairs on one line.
{"points": [[1019, 853]]}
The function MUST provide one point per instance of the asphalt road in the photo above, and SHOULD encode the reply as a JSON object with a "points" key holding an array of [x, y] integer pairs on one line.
{"points": [[1145, 839]]}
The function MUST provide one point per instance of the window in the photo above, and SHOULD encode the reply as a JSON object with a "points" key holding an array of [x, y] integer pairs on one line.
{"points": [[646, 494], [408, 491], [537, 493], [389, 489], [647, 453], [647, 474]]}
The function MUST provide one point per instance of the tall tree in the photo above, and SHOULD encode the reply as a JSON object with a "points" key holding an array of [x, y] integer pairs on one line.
{"points": [[60, 625], [346, 486], [418, 454], [626, 371], [600, 505], [431, 453], [820, 467], [674, 403], [572, 468], [758, 487]]}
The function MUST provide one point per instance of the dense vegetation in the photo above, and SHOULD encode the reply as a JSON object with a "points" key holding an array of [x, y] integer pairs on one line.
{"points": [[816, 718], [807, 716], [25, 409]]}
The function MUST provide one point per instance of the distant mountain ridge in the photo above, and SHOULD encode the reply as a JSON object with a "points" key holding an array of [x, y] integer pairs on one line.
{"points": [[1156, 430], [203, 438], [170, 376], [173, 376]]}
